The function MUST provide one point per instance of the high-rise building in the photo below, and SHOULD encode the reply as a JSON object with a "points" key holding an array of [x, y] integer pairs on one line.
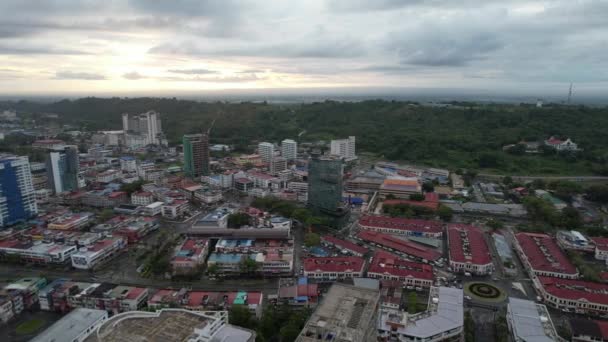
{"points": [[17, 196], [147, 124], [266, 151], [277, 165], [289, 149], [196, 154], [62, 167], [344, 148], [325, 186]]}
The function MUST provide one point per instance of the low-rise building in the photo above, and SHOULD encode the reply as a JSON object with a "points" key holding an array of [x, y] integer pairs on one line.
{"points": [[71, 221], [601, 247], [574, 240], [208, 196], [300, 293], [189, 256], [38, 252], [468, 251], [572, 295], [344, 245], [101, 251], [403, 226], [561, 145], [333, 268], [347, 313], [153, 209], [587, 330], [76, 326], [529, 321], [541, 256], [402, 187], [175, 209], [142, 198], [388, 266], [135, 229], [399, 246], [442, 321]]}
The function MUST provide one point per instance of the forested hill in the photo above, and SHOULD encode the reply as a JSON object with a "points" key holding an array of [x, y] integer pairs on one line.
{"points": [[466, 135]]}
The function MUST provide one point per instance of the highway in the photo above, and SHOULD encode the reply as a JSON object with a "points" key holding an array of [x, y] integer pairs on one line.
{"points": [[531, 178]]}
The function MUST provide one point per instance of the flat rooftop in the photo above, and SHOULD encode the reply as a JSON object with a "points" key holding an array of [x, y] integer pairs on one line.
{"points": [[71, 326], [530, 321], [342, 314]]}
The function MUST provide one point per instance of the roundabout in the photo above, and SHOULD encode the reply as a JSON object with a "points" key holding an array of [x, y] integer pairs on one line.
{"points": [[485, 292]]}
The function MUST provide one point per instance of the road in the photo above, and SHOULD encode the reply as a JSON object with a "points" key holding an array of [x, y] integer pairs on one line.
{"points": [[531, 178]]}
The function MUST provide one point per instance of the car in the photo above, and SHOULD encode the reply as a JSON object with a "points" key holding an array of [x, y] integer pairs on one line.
{"points": [[418, 288], [468, 298], [410, 287], [495, 278], [467, 274]]}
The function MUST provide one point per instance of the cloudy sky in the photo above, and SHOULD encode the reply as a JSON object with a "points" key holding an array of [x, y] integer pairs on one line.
{"points": [[62, 46]]}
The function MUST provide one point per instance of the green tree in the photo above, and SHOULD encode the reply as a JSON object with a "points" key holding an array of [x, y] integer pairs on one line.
{"points": [[237, 220], [213, 270], [412, 303], [570, 218], [248, 266], [501, 329], [469, 327], [105, 215], [289, 332], [445, 213], [598, 193], [312, 239], [301, 214], [494, 224], [240, 315], [428, 186], [417, 197]]}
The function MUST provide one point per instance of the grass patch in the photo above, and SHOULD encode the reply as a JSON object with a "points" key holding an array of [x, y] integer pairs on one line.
{"points": [[30, 327]]}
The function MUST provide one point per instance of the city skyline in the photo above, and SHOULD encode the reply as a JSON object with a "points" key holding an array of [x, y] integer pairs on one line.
{"points": [[126, 47]]}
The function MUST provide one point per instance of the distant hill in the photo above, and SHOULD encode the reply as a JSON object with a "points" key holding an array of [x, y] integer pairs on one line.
{"points": [[455, 136]]}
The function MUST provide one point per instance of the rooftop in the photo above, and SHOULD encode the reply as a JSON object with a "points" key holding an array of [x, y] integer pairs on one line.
{"points": [[400, 245], [416, 225], [344, 244], [342, 314], [572, 289], [467, 245], [530, 321], [390, 264], [333, 264], [167, 325], [71, 326], [544, 254]]}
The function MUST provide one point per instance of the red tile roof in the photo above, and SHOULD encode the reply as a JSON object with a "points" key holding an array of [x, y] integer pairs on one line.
{"points": [[415, 225], [572, 289], [478, 252], [603, 325], [135, 292], [344, 244], [399, 245], [387, 263], [601, 243], [552, 259], [334, 264]]}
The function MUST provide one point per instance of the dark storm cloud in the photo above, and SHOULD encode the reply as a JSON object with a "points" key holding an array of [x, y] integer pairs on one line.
{"points": [[75, 75]]}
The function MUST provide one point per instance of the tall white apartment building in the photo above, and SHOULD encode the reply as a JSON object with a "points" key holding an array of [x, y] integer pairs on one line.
{"points": [[17, 196], [147, 124], [289, 149], [344, 148], [266, 151]]}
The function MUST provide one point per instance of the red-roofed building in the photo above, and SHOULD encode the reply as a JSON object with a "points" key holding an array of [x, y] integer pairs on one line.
{"points": [[99, 252], [400, 246], [189, 256], [601, 247], [142, 198], [51, 144], [350, 247], [573, 295], [468, 250], [333, 268], [388, 266], [404, 226], [431, 201], [541, 255]]}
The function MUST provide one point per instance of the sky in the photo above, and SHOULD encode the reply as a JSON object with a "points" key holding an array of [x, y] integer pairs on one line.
{"points": [[119, 47]]}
